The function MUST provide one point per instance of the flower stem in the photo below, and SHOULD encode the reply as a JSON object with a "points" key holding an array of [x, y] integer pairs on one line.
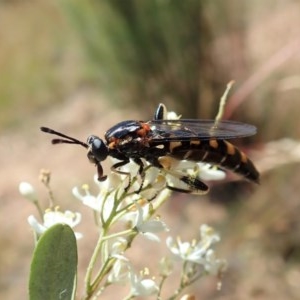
{"points": [[97, 251]]}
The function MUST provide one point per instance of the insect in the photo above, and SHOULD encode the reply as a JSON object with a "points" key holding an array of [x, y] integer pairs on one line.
{"points": [[160, 140]]}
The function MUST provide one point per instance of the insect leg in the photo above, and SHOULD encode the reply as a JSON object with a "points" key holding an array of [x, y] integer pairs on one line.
{"points": [[141, 172], [101, 177], [114, 168], [195, 186]]}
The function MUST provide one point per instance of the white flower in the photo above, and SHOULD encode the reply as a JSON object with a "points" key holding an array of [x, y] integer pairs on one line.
{"points": [[194, 252], [173, 116], [129, 172], [153, 183], [165, 266], [103, 202], [185, 250], [142, 287], [148, 227], [204, 171], [163, 113], [209, 172], [213, 265], [170, 115], [140, 222], [119, 246], [120, 271], [27, 190], [51, 218], [87, 199], [112, 182], [151, 176], [161, 197], [208, 235]]}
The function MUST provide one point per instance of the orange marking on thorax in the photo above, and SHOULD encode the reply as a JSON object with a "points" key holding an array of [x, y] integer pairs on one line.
{"points": [[112, 143], [144, 130]]}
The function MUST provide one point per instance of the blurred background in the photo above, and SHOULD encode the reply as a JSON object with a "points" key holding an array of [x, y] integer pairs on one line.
{"points": [[81, 66]]}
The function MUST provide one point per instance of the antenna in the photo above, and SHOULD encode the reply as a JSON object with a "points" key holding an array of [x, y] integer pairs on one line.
{"points": [[66, 139]]}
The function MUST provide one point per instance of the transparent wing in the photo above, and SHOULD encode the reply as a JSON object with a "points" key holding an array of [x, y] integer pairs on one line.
{"points": [[192, 129]]}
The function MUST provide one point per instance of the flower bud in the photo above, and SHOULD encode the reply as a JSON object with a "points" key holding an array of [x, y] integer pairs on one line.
{"points": [[27, 190]]}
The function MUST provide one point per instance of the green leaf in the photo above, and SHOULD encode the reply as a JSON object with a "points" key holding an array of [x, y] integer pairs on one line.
{"points": [[54, 265]]}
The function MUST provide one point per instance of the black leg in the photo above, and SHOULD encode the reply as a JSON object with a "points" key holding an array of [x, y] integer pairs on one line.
{"points": [[119, 164], [114, 168], [139, 162], [195, 186]]}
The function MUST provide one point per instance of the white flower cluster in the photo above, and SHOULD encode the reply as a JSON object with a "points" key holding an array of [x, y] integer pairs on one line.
{"points": [[200, 252], [123, 272], [117, 200], [51, 216], [197, 258]]}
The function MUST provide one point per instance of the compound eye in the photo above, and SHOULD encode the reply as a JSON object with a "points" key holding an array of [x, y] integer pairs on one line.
{"points": [[97, 147]]}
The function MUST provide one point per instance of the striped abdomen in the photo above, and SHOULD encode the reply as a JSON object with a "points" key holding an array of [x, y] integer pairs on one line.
{"points": [[217, 152]]}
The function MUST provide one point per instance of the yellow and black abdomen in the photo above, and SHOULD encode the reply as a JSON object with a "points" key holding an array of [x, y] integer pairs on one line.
{"points": [[216, 152]]}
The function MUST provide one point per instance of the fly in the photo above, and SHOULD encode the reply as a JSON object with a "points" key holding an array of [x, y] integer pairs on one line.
{"points": [[160, 140]]}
